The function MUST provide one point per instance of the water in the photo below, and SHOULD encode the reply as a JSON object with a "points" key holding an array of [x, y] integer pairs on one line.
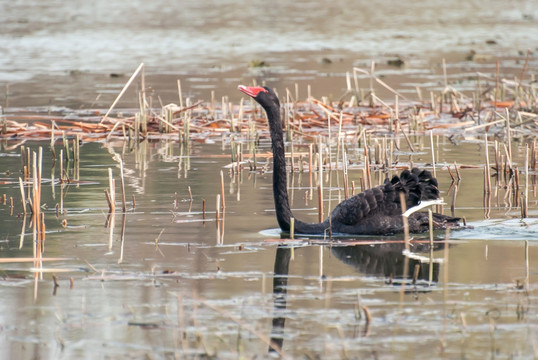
{"points": [[116, 36], [199, 292], [162, 282], [62, 53]]}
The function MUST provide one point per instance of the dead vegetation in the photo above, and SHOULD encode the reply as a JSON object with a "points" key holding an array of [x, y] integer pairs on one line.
{"points": [[495, 106]]}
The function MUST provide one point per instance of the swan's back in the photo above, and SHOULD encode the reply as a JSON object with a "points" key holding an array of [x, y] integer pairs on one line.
{"points": [[378, 210]]}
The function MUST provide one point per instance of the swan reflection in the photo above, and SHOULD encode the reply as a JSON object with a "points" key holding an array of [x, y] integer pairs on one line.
{"points": [[389, 260]]}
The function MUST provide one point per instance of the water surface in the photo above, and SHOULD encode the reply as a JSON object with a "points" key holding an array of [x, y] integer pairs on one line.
{"points": [[160, 281], [62, 53], [201, 292]]}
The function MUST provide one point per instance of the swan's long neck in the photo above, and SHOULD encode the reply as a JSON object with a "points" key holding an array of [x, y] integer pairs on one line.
{"points": [[280, 191]]}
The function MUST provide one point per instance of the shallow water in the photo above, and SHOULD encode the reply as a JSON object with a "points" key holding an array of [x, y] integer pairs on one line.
{"points": [[62, 53], [199, 292], [162, 282], [115, 36]]}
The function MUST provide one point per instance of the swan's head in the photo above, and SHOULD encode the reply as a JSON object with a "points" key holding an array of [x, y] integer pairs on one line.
{"points": [[265, 96]]}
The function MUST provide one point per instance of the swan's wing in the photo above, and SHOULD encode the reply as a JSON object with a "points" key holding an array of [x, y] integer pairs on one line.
{"points": [[384, 200], [379, 201]]}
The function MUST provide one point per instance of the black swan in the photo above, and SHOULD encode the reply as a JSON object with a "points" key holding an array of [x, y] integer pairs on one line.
{"points": [[375, 211]]}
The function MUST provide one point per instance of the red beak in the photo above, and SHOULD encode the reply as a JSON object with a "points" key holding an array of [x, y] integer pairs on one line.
{"points": [[251, 91]]}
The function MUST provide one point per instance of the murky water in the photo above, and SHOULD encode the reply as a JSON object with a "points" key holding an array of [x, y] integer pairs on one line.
{"points": [[115, 36], [58, 53], [200, 292], [160, 281]]}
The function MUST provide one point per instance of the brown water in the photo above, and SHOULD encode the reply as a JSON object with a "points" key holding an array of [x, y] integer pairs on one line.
{"points": [[204, 291], [61, 54]]}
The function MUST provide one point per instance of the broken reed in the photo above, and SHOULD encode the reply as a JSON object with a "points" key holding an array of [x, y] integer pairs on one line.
{"points": [[23, 196], [111, 193], [203, 210], [525, 202], [320, 180], [223, 204], [487, 178], [34, 161], [122, 181]]}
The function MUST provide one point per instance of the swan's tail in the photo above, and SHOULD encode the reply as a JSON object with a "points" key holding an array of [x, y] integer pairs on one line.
{"points": [[429, 187], [417, 185]]}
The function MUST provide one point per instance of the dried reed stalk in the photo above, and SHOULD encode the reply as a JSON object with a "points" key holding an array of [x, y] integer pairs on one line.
{"points": [[222, 192], [433, 154], [430, 228], [123, 203], [217, 209], [320, 203], [320, 180], [111, 195], [125, 87], [405, 221], [525, 202], [487, 179], [23, 196]]}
